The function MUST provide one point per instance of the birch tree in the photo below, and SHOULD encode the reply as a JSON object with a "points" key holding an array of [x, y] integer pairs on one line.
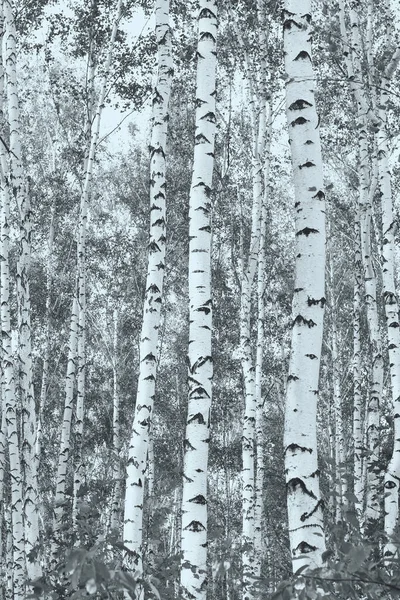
{"points": [[392, 475], [194, 496], [80, 305], [139, 442], [306, 530]]}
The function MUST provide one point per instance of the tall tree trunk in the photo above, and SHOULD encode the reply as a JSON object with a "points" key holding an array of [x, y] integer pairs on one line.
{"points": [[80, 304], [17, 549], [116, 499], [259, 432], [306, 530], [64, 449], [139, 442], [366, 192], [20, 192], [392, 475], [47, 344], [194, 496], [358, 405]]}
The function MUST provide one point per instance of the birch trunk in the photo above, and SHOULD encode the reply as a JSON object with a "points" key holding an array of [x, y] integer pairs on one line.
{"points": [[306, 530], [64, 450], [20, 192], [80, 305], [17, 568], [366, 191], [259, 433], [139, 442], [194, 496], [115, 507], [358, 404], [392, 475], [46, 356]]}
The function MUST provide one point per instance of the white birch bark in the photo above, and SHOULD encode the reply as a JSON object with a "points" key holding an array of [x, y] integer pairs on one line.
{"points": [[257, 110], [20, 191], [139, 442], [339, 446], [65, 437], [16, 545], [259, 433], [358, 403], [194, 496], [46, 354], [3, 464], [306, 530], [392, 475], [81, 271], [366, 191], [116, 499]]}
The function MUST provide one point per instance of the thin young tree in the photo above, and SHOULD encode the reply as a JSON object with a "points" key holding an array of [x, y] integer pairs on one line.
{"points": [[194, 496], [139, 442], [306, 530]]}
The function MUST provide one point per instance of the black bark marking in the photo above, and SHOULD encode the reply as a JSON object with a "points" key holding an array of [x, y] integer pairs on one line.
{"points": [[197, 418], [292, 378], [296, 482], [150, 357], [200, 138], [307, 17], [155, 207], [198, 500], [210, 116], [389, 485], [204, 309], [304, 548], [319, 195], [299, 104], [159, 222], [299, 121], [206, 228], [307, 165], [306, 231], [289, 23], [394, 325], [306, 516], [206, 13], [296, 290], [195, 526], [303, 55], [150, 378], [294, 447], [206, 35], [153, 247], [315, 301], [200, 362], [200, 391], [311, 356], [159, 196], [187, 445], [392, 346], [153, 289], [300, 320], [316, 473]]}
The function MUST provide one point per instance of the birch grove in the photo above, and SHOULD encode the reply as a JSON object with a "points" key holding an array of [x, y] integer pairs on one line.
{"points": [[179, 416]]}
